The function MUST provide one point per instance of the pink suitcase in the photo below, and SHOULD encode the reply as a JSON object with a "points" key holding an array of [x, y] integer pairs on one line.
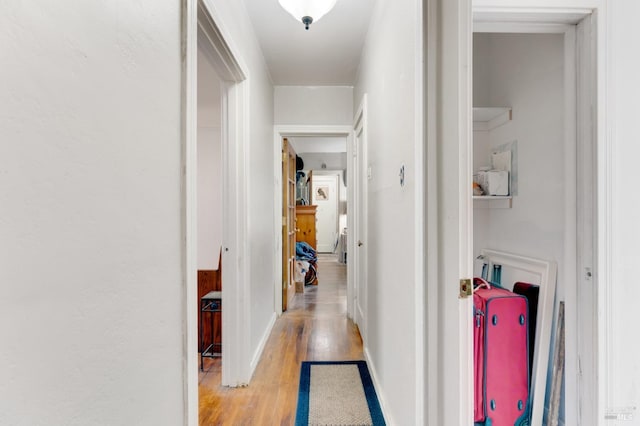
{"points": [[501, 356]]}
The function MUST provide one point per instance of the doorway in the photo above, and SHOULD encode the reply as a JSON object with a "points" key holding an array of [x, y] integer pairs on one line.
{"points": [[450, 223], [307, 140], [540, 135], [520, 207], [203, 34]]}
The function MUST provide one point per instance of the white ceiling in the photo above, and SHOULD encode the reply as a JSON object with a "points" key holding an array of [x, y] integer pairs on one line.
{"points": [[327, 54]]}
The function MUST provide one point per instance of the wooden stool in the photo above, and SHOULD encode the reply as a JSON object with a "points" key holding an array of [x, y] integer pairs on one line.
{"points": [[210, 303]]}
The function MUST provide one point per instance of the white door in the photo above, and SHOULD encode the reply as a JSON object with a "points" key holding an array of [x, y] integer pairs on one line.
{"points": [[326, 196], [448, 257], [360, 220]]}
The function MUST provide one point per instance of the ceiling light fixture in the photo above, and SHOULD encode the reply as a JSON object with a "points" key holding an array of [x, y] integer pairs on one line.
{"points": [[307, 11]]}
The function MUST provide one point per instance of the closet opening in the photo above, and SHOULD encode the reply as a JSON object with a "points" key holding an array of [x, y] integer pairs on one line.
{"points": [[533, 183]]}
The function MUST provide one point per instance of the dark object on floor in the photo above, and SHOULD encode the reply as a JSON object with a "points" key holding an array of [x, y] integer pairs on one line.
{"points": [[531, 292], [311, 275]]}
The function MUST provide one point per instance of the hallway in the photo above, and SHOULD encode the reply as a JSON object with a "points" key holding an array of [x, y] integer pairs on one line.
{"points": [[315, 328]]}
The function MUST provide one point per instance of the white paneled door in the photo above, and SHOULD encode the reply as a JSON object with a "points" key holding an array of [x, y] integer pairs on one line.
{"points": [[326, 196]]}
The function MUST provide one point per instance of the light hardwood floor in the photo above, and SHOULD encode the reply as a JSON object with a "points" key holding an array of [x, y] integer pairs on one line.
{"points": [[315, 328]]}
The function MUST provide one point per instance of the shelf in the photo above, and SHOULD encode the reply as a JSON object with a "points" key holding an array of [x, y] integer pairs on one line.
{"points": [[492, 201], [488, 118]]}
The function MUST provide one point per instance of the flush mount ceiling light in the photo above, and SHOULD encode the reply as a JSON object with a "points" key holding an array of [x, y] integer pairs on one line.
{"points": [[307, 11]]}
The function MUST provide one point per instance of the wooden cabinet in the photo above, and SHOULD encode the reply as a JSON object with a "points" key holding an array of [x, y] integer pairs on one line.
{"points": [[306, 231], [306, 225]]}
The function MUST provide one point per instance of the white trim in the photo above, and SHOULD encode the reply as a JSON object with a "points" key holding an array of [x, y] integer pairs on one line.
{"points": [[279, 132], [586, 293], [569, 269], [465, 123], [605, 160], [189, 212], [520, 28], [236, 324], [223, 58], [545, 16], [420, 220], [386, 414], [263, 342], [432, 399], [351, 167]]}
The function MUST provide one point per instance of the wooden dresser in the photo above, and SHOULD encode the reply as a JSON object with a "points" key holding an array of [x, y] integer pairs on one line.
{"points": [[306, 230], [306, 225]]}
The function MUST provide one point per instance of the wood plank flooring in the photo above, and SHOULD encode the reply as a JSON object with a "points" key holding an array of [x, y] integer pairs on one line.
{"points": [[315, 328]]}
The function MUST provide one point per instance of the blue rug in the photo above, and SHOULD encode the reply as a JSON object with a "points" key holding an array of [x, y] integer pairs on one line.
{"points": [[337, 393]]}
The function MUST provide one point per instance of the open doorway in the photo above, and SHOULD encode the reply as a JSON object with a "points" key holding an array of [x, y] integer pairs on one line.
{"points": [[314, 206], [450, 140], [322, 182], [203, 37], [314, 146], [210, 208], [530, 85]]}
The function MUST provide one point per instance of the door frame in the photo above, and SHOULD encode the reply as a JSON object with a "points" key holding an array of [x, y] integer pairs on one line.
{"points": [[452, 33], [577, 27], [359, 217], [494, 23], [288, 131], [201, 23]]}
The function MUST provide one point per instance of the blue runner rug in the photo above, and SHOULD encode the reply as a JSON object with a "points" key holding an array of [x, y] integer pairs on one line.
{"points": [[337, 393]]}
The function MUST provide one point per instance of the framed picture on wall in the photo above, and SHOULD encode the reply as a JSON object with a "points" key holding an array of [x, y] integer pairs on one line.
{"points": [[322, 193]]}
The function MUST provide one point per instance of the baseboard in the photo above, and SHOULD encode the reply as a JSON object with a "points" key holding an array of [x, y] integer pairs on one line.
{"points": [[263, 341], [374, 377]]}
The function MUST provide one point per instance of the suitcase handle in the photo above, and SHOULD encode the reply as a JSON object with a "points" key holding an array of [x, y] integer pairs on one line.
{"points": [[481, 282]]}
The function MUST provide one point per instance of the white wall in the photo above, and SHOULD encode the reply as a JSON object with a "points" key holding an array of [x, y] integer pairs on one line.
{"points": [[90, 214], [622, 362], [209, 165], [525, 71], [209, 197], [387, 75], [318, 144], [331, 160], [261, 180], [527, 74], [323, 105]]}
